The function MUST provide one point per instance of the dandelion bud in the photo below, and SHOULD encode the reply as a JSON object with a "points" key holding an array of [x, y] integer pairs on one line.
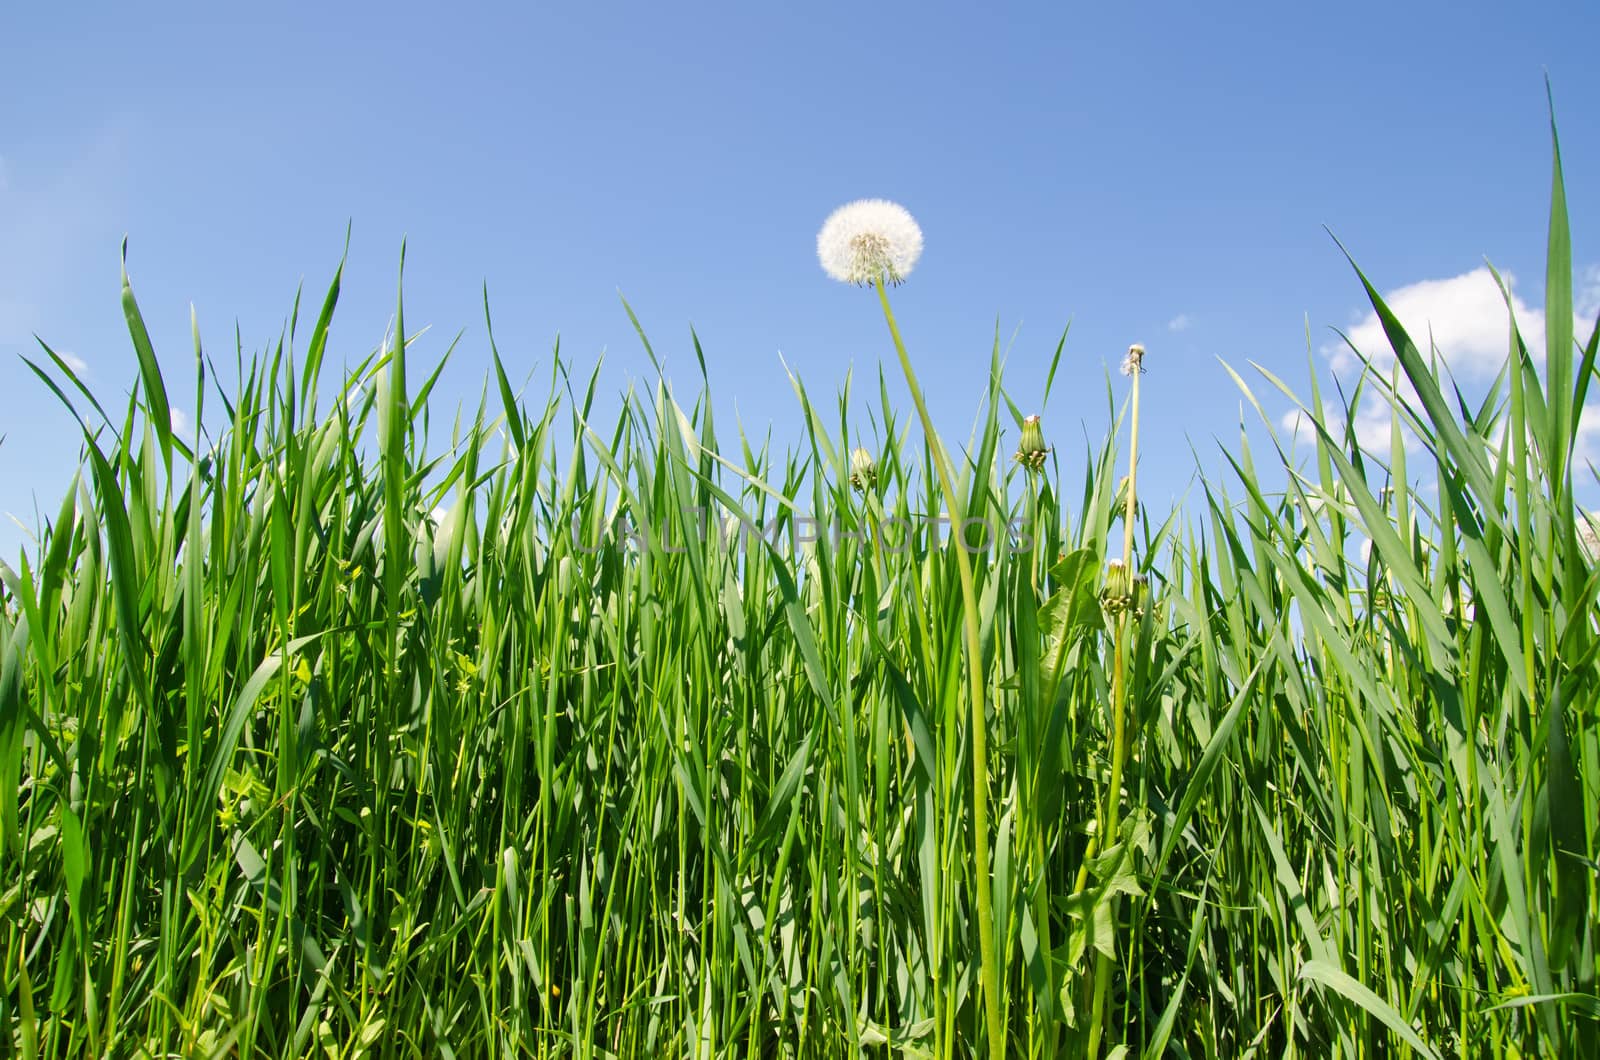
{"points": [[1031, 452], [1114, 594], [863, 470], [1134, 361], [1123, 591]]}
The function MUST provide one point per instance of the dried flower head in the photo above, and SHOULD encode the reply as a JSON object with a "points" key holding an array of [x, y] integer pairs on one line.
{"points": [[867, 240], [1031, 450], [1134, 361]]}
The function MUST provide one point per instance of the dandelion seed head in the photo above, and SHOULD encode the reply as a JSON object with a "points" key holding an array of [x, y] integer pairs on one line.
{"points": [[867, 239]]}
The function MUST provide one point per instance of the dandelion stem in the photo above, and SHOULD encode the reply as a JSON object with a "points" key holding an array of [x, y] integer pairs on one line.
{"points": [[1110, 817], [980, 741], [1119, 692], [1033, 530]]}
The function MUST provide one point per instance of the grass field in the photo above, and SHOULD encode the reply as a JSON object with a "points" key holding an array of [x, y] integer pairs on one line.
{"points": [[577, 738]]}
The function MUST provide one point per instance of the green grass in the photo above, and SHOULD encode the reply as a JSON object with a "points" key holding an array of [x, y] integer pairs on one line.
{"points": [[317, 742]]}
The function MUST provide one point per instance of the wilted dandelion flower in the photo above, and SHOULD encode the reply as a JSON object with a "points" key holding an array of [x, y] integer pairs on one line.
{"points": [[1134, 361], [868, 239]]}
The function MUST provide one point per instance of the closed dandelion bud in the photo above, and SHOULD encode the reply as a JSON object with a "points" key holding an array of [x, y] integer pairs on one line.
{"points": [[1115, 594], [863, 470], [1031, 451]]}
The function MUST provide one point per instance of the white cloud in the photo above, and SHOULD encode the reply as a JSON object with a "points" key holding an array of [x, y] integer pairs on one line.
{"points": [[1587, 449], [1374, 421], [182, 423], [1297, 423], [1375, 426], [1586, 300], [1465, 317], [79, 366], [1180, 322]]}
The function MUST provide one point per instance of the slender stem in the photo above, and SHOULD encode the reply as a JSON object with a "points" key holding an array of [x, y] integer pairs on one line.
{"points": [[1119, 677], [1119, 704], [980, 740], [1046, 1029], [1033, 529]]}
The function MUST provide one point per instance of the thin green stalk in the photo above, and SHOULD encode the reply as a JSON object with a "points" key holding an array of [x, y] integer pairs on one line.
{"points": [[980, 742], [1110, 819], [1033, 531]]}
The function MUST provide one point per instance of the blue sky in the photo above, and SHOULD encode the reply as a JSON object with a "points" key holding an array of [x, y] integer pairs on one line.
{"points": [[1151, 173]]}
